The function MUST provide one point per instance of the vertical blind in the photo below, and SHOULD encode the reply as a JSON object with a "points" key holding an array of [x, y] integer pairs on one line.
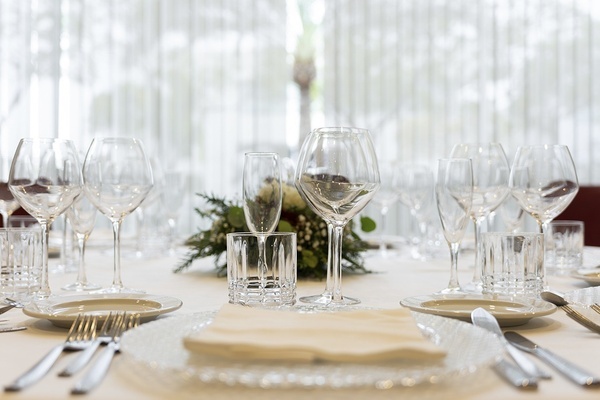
{"points": [[203, 81]]}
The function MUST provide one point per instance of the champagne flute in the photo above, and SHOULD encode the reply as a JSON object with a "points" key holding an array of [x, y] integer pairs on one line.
{"points": [[45, 178], [263, 198], [337, 175], [8, 203], [544, 181], [117, 178], [490, 188], [82, 217], [386, 196], [454, 196]]}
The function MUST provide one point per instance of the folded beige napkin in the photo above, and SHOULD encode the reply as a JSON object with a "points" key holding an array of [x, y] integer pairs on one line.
{"points": [[347, 336]]}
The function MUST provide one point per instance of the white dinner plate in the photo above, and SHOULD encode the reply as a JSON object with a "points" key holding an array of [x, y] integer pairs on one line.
{"points": [[509, 311], [590, 275], [156, 354], [62, 310]]}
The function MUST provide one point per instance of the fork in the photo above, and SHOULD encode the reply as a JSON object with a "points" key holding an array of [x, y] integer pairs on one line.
{"points": [[595, 307], [582, 319], [82, 330], [107, 333], [100, 367]]}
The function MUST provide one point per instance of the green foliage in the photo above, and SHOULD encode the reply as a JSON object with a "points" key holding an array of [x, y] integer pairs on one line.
{"points": [[311, 230]]}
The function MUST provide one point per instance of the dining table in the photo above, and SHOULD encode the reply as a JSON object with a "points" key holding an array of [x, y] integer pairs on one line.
{"points": [[391, 278]]}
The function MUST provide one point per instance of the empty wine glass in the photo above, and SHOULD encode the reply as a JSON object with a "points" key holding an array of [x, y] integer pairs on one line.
{"points": [[8, 203], [386, 196], [337, 175], [416, 192], [117, 177], [82, 217], [544, 181], [45, 178], [490, 188], [454, 196], [262, 200]]}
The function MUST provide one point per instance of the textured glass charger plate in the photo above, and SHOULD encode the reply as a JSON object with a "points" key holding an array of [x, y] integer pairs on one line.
{"points": [[509, 311], [62, 310], [590, 275], [156, 352]]}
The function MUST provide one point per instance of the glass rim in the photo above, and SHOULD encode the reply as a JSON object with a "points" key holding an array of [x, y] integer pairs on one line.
{"points": [[248, 234]]}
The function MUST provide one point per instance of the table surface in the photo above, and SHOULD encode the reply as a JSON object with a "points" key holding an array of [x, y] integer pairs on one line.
{"points": [[394, 278]]}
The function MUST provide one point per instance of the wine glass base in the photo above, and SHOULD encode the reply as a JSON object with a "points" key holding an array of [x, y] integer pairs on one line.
{"points": [[451, 290], [81, 287], [118, 289], [473, 287], [326, 299]]}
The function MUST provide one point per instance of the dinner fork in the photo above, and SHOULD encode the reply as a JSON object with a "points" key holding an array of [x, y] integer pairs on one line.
{"points": [[595, 307], [582, 319], [79, 336], [108, 331], [100, 367]]}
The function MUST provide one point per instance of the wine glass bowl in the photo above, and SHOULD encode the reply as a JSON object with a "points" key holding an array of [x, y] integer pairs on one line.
{"points": [[117, 178], [337, 175], [45, 178], [544, 181]]}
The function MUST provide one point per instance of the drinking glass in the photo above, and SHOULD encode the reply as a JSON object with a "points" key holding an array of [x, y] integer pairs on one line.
{"points": [[416, 193], [263, 198], [8, 203], [490, 188], [172, 200], [454, 196], [337, 175], [82, 217], [45, 178], [117, 177], [544, 181], [386, 196]]}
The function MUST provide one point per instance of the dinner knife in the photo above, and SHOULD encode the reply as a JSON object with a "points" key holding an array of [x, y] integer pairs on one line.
{"points": [[568, 369], [514, 375], [482, 318]]}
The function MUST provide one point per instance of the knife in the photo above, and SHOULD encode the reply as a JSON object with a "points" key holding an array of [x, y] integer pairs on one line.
{"points": [[568, 369], [514, 375], [12, 329], [484, 319]]}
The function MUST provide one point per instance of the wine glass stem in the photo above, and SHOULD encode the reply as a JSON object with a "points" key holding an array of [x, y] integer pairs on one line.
{"points": [[262, 257], [4, 215], [117, 283], [81, 276], [477, 266], [453, 284], [382, 244], [336, 260], [44, 285]]}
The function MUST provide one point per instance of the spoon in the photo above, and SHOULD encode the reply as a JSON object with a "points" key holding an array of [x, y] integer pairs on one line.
{"points": [[553, 297]]}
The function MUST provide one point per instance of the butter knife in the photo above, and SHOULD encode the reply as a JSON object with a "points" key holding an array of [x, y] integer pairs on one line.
{"points": [[568, 369], [484, 319]]}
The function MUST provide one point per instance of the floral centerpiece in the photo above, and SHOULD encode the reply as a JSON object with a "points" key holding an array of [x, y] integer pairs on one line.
{"points": [[228, 216]]}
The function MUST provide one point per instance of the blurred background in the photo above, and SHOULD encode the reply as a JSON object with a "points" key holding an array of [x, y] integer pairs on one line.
{"points": [[201, 82]]}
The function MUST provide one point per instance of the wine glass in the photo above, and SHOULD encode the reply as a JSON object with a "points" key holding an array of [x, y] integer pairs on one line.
{"points": [[263, 198], [544, 181], [117, 177], [337, 175], [386, 196], [490, 188], [512, 214], [172, 200], [82, 217], [454, 196], [416, 193], [8, 203], [45, 178]]}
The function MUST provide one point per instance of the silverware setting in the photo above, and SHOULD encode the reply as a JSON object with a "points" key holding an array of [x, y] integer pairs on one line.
{"points": [[529, 370], [565, 367], [558, 300], [82, 336]]}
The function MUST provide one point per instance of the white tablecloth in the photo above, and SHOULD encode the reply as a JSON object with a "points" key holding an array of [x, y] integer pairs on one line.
{"points": [[200, 290]]}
